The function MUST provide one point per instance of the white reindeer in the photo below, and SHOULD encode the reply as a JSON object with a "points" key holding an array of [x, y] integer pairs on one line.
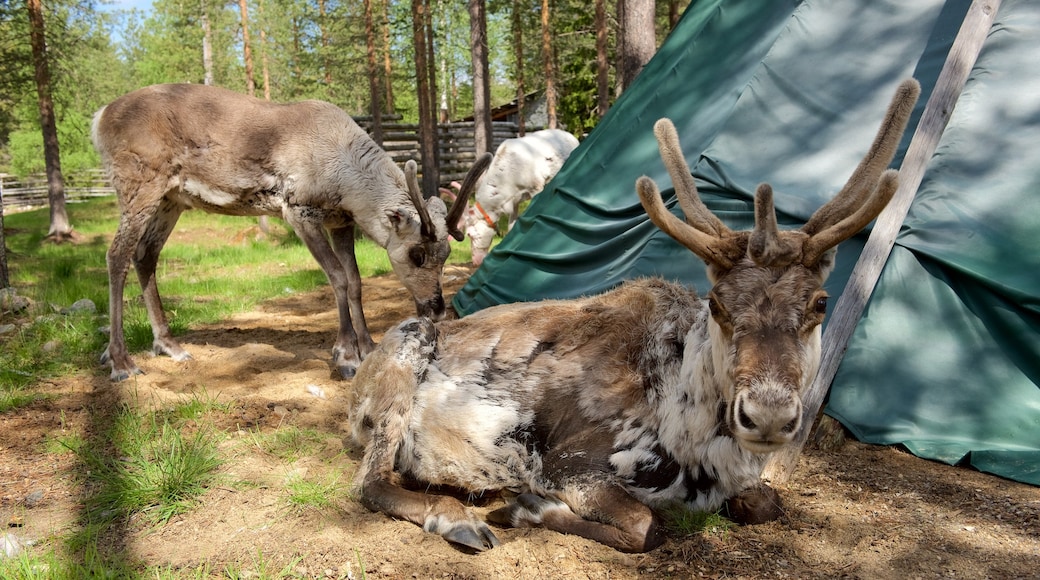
{"points": [[520, 170], [168, 148], [598, 411]]}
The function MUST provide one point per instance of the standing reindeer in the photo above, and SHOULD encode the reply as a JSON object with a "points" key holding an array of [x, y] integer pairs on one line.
{"points": [[520, 170], [168, 148], [601, 409]]}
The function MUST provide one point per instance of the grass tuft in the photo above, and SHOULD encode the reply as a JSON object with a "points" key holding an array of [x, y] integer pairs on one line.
{"points": [[148, 467], [681, 522], [324, 493]]}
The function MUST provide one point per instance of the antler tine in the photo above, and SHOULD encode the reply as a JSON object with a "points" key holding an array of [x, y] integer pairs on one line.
{"points": [[469, 185], [429, 232], [815, 246], [863, 180], [697, 214], [766, 246], [709, 248]]}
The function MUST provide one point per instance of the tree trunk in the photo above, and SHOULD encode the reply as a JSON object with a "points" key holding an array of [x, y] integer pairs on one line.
{"points": [[518, 48], [207, 44], [263, 52], [387, 70], [246, 52], [375, 94], [637, 40], [673, 13], [5, 279], [427, 116], [324, 29], [60, 228], [481, 89], [602, 62], [550, 82]]}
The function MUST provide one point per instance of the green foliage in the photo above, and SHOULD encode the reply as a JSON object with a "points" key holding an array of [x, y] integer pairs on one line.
{"points": [[309, 49]]}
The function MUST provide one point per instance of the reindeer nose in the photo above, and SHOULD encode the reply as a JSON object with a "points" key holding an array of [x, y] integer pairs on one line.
{"points": [[433, 308], [766, 418]]}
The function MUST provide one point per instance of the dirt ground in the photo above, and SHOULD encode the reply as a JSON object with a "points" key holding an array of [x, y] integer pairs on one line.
{"points": [[858, 512]]}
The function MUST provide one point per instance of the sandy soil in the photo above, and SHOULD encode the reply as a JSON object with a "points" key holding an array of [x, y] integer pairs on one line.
{"points": [[856, 512]]}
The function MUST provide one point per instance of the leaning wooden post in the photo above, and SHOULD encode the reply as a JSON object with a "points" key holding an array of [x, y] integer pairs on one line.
{"points": [[965, 50]]}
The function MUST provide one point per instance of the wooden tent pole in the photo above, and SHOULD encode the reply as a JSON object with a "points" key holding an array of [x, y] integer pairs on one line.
{"points": [[963, 53]]}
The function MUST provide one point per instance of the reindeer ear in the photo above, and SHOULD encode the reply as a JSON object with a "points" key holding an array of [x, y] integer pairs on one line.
{"points": [[827, 262], [403, 222], [438, 211]]}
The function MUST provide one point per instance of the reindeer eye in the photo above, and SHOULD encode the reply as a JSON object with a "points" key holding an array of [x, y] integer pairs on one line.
{"points": [[821, 305], [715, 308], [417, 254]]}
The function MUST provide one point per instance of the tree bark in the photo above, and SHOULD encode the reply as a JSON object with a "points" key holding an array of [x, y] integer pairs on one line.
{"points": [[263, 52], [602, 62], [207, 44], [246, 52], [375, 93], [637, 40], [518, 49], [5, 279], [427, 116], [547, 53], [673, 13], [481, 87], [324, 30], [60, 228], [387, 69]]}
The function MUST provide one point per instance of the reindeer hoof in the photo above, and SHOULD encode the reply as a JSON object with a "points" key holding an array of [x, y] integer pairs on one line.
{"points": [[472, 533], [756, 505], [120, 375], [170, 349]]}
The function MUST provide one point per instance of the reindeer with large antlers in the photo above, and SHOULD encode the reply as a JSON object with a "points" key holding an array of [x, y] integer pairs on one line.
{"points": [[168, 148], [596, 411]]}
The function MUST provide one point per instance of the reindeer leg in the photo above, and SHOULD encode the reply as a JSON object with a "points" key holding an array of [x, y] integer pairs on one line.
{"points": [[145, 260], [132, 222], [345, 354], [343, 244], [437, 514], [381, 409], [600, 511]]}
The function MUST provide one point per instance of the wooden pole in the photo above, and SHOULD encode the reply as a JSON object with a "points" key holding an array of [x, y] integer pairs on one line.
{"points": [[963, 53]]}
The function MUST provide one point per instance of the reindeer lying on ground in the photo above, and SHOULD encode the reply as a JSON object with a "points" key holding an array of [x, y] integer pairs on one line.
{"points": [[601, 409], [168, 148], [521, 168]]}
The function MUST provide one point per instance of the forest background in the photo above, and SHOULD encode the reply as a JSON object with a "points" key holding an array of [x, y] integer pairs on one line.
{"points": [[353, 53]]}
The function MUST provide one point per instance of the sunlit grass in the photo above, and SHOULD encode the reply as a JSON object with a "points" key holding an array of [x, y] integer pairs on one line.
{"points": [[143, 466], [321, 493], [213, 267], [147, 466], [681, 521], [289, 443]]}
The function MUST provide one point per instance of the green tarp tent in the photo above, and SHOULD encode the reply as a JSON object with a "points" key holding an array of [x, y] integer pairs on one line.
{"points": [[946, 359]]}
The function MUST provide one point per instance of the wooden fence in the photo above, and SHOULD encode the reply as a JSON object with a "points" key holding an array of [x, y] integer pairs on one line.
{"points": [[401, 140]]}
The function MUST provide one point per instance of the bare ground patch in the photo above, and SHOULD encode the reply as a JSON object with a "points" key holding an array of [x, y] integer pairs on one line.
{"points": [[858, 512]]}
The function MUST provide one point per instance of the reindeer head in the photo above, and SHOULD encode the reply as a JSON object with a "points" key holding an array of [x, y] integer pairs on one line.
{"points": [[768, 301], [418, 251]]}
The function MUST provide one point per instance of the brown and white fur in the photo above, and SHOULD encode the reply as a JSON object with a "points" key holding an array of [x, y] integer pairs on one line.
{"points": [[169, 148], [598, 411]]}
